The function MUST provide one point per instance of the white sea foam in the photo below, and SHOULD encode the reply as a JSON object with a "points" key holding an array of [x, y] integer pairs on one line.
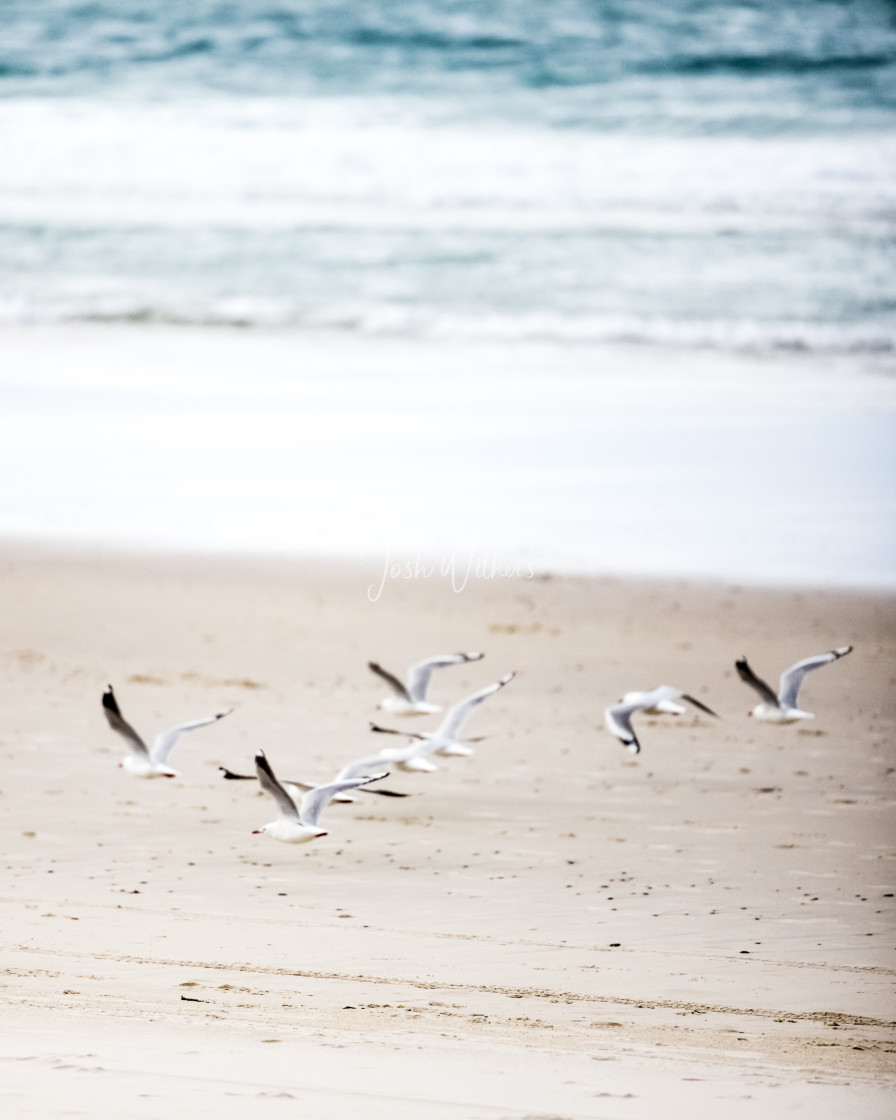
{"points": [[377, 215], [273, 163]]}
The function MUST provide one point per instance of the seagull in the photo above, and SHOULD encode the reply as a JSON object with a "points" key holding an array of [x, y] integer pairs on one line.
{"points": [[410, 699], [144, 762], [298, 824], [657, 707], [291, 784], [618, 717], [444, 740], [782, 708]]}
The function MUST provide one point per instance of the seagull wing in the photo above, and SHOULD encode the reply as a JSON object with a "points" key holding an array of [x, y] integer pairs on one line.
{"points": [[456, 717], [269, 784], [698, 704], [792, 678], [393, 682], [319, 797], [618, 718], [747, 675], [119, 724], [165, 740], [395, 731], [420, 672], [362, 767]]}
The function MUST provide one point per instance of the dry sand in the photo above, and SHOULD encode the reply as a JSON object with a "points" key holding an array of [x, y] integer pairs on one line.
{"points": [[549, 928]]}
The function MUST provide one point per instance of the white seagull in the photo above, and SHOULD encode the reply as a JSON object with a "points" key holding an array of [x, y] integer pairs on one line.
{"points": [[618, 717], [143, 761], [297, 824], [444, 740], [293, 784], [782, 708], [409, 698]]}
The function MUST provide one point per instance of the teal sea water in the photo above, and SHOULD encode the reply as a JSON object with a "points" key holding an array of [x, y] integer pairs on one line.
{"points": [[700, 173]]}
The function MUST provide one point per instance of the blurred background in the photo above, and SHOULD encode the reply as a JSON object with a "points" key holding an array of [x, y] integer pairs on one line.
{"points": [[636, 260]]}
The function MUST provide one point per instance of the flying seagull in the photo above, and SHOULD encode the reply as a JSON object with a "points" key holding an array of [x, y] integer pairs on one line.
{"points": [[618, 717], [444, 740], [409, 698], [303, 787], [297, 824], [782, 708], [143, 761]]}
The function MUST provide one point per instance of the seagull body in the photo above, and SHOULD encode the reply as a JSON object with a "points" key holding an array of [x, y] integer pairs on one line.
{"points": [[618, 717], [658, 707], [143, 761], [782, 708], [411, 757], [409, 697], [444, 740], [297, 824]]}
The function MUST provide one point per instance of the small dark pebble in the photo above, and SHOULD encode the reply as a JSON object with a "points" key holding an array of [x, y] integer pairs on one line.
{"points": [[745, 950], [615, 944]]}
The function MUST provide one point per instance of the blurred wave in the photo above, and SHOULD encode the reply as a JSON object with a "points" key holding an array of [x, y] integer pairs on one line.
{"points": [[705, 173]]}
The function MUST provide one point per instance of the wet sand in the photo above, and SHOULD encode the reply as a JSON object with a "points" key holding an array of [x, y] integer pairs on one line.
{"points": [[775, 467], [548, 928]]}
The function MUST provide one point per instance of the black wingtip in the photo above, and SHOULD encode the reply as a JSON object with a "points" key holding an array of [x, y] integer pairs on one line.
{"points": [[110, 702], [230, 776], [699, 704], [394, 731]]}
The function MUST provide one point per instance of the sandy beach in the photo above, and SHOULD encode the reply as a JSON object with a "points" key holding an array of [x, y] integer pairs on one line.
{"points": [[549, 928], [339, 333]]}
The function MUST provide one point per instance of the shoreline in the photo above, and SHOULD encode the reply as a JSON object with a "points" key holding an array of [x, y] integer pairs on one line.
{"points": [[711, 918], [378, 575], [592, 459]]}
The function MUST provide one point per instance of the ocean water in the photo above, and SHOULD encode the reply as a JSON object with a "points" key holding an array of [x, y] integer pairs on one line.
{"points": [[700, 173], [603, 285]]}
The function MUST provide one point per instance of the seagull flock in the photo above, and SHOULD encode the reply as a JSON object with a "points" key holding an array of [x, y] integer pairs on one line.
{"points": [[773, 709], [301, 803]]}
